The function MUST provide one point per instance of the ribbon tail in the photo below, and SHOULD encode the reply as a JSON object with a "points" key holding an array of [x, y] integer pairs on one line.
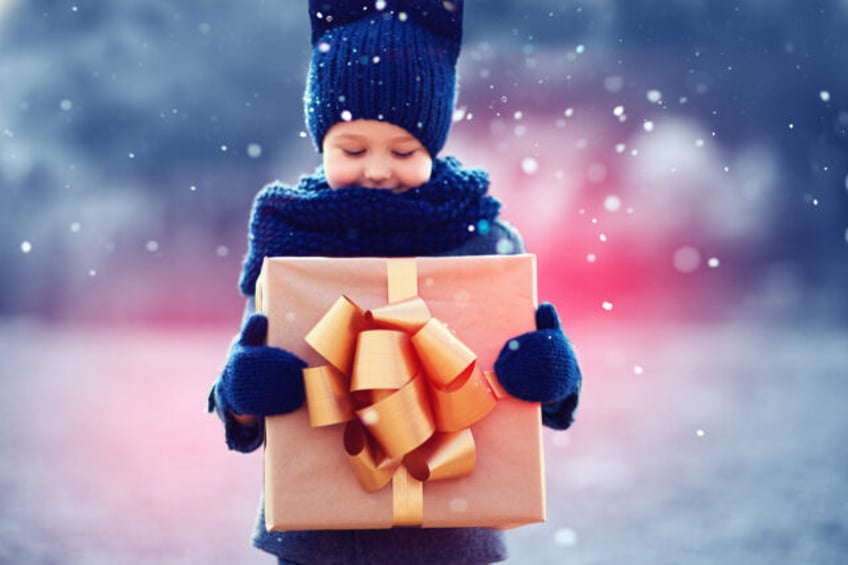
{"points": [[407, 499]]}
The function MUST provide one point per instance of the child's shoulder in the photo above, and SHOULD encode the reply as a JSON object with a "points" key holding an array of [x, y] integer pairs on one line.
{"points": [[491, 238]]}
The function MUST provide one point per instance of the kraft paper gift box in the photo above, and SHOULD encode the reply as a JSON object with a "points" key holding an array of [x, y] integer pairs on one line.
{"points": [[482, 301]]}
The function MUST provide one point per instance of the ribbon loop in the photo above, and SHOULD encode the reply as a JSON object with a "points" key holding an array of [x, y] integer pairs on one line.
{"points": [[442, 355], [464, 405], [401, 422], [335, 335], [385, 359], [444, 456], [327, 390], [408, 315]]}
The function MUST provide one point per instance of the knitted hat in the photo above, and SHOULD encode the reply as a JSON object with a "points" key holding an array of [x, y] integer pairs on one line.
{"points": [[391, 60]]}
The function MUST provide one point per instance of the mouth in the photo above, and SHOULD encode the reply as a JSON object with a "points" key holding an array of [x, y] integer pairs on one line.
{"points": [[394, 189]]}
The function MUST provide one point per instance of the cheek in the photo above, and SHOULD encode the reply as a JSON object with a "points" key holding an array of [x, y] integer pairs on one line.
{"points": [[340, 172], [416, 172]]}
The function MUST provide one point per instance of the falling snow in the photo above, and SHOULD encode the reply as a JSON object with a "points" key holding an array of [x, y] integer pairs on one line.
{"points": [[529, 165], [458, 504], [369, 417], [596, 172], [612, 203], [254, 150], [565, 537], [686, 259], [613, 83], [561, 440]]}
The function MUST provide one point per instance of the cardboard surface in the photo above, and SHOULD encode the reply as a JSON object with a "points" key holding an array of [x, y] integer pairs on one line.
{"points": [[485, 300]]}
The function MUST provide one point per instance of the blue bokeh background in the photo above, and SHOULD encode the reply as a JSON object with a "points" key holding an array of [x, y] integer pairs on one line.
{"points": [[135, 134]]}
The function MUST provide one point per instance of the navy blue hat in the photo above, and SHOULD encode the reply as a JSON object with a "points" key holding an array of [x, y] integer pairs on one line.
{"points": [[391, 60]]}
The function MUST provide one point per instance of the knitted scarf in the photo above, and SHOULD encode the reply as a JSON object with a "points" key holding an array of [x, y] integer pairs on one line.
{"points": [[314, 220]]}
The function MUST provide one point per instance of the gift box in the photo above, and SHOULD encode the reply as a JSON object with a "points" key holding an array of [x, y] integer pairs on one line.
{"points": [[405, 423]]}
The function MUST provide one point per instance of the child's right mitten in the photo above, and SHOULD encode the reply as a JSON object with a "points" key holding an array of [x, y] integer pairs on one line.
{"points": [[540, 366], [259, 380]]}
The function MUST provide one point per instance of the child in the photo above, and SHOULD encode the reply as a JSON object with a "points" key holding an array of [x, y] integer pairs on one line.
{"points": [[379, 103]]}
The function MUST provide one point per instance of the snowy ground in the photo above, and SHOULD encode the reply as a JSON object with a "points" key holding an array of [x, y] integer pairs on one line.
{"points": [[721, 443]]}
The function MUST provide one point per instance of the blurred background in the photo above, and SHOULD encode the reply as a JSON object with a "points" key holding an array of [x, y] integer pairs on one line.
{"points": [[680, 167]]}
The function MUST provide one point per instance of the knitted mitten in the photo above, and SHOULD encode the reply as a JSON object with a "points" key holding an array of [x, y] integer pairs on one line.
{"points": [[259, 380], [540, 366]]}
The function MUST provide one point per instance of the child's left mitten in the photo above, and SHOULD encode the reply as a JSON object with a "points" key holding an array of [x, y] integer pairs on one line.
{"points": [[540, 366]]}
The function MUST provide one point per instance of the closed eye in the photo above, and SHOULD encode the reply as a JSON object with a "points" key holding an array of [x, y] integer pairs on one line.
{"points": [[403, 154], [354, 153]]}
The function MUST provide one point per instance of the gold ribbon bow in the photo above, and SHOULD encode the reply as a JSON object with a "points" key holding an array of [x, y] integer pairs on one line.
{"points": [[406, 387]]}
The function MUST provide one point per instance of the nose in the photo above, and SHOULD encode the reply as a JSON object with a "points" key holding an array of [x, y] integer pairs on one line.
{"points": [[377, 171]]}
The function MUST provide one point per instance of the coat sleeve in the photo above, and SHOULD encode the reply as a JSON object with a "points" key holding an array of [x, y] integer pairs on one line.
{"points": [[559, 415], [239, 437]]}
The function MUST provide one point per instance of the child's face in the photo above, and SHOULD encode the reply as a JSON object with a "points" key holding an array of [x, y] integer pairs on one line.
{"points": [[374, 154]]}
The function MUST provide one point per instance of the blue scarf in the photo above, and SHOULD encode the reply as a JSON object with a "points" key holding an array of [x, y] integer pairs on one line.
{"points": [[315, 220]]}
